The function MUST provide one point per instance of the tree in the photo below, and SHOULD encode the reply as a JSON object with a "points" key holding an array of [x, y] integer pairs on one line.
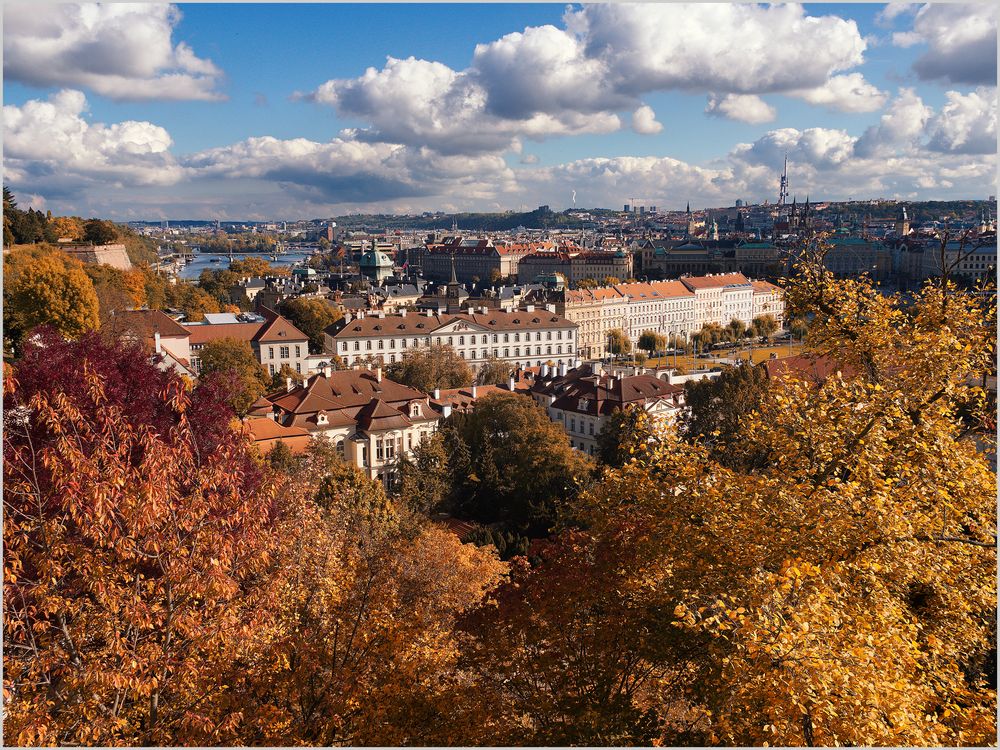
{"points": [[44, 286], [425, 479], [280, 379], [623, 432], [764, 326], [717, 406], [510, 463], [799, 327], [651, 341], [70, 227], [361, 648], [99, 232], [736, 330], [311, 316], [251, 266], [435, 366], [235, 361], [843, 590], [131, 552], [116, 290], [611, 281], [494, 371], [507, 543], [190, 300], [618, 342]]}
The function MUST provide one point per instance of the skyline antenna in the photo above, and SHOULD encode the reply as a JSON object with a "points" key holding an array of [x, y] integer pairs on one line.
{"points": [[783, 188]]}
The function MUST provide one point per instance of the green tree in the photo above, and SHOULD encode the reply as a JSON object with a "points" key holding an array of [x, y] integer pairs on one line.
{"points": [[100, 232], [435, 366], [425, 478], [618, 342], [717, 406], [651, 341], [312, 316], [43, 286], [510, 463], [508, 544], [193, 301], [494, 371], [235, 360]]}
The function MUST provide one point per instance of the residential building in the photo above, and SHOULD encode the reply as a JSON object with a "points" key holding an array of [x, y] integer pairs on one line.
{"points": [[720, 298], [583, 399], [768, 299], [273, 339], [667, 307], [522, 337], [576, 266], [370, 419]]}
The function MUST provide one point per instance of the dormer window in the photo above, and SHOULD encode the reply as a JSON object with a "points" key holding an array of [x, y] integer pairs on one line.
{"points": [[584, 404], [414, 410], [321, 418]]}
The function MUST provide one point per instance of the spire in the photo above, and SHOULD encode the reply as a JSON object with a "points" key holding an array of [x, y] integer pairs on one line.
{"points": [[783, 183], [454, 278], [689, 208]]}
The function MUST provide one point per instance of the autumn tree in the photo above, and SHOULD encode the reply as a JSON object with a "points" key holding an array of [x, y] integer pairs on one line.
{"points": [[132, 548], [193, 301], [99, 232], [69, 227], [435, 366], [618, 341], [235, 360], [623, 433], [736, 330], [493, 371], [361, 648], [44, 286], [651, 341], [510, 463], [312, 316], [116, 289], [842, 589], [764, 326]]}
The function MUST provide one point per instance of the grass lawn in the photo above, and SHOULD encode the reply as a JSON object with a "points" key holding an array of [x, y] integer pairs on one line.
{"points": [[759, 355]]}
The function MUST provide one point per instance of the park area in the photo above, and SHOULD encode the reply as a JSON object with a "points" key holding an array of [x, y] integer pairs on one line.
{"points": [[720, 356]]}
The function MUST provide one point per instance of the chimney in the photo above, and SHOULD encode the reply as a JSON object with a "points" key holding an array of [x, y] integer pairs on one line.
{"points": [[437, 394], [471, 311], [545, 370], [289, 385], [446, 411], [156, 343], [473, 391], [378, 374], [510, 383], [402, 312], [562, 369], [550, 308], [429, 313], [381, 314], [327, 371], [529, 308]]}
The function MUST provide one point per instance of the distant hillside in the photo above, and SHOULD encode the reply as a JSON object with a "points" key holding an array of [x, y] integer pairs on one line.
{"points": [[540, 218], [917, 211]]}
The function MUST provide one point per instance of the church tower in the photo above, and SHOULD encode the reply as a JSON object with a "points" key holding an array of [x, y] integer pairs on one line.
{"points": [[902, 224], [690, 221]]}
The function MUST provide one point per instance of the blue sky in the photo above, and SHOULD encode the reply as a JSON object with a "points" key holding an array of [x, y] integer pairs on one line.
{"points": [[289, 111]]}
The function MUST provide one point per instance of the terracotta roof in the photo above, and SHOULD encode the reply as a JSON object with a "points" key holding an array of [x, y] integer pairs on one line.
{"points": [[812, 367], [278, 328], [583, 392], [425, 325], [719, 280], [203, 333], [461, 399], [765, 287], [268, 429], [377, 415], [150, 322]]}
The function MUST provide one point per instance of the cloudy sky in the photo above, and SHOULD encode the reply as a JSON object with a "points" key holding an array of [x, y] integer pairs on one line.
{"points": [[299, 111]]}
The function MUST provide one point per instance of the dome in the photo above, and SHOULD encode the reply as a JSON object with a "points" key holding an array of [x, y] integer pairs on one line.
{"points": [[375, 259]]}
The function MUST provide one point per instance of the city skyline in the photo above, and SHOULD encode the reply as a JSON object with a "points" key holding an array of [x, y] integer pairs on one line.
{"points": [[261, 111]]}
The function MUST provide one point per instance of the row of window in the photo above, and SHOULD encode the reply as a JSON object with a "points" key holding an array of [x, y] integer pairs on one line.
{"points": [[381, 343], [284, 352]]}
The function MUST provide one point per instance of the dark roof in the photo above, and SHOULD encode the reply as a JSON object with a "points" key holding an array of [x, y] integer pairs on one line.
{"points": [[150, 322], [377, 415]]}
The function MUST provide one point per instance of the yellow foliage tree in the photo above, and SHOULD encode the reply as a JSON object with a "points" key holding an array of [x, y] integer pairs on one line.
{"points": [[839, 585], [42, 285]]}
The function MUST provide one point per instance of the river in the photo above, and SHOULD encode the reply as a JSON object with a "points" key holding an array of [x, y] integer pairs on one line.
{"points": [[201, 261]]}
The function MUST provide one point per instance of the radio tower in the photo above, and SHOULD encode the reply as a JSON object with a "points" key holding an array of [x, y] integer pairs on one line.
{"points": [[783, 190]]}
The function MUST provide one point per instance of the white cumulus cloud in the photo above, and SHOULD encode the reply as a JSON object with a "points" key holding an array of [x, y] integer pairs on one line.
{"points": [[748, 108], [966, 124], [123, 51], [961, 39], [644, 121], [845, 93], [51, 147]]}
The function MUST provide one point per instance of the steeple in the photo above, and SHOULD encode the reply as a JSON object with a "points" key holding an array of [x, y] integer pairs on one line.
{"points": [[454, 277], [689, 208], [783, 183]]}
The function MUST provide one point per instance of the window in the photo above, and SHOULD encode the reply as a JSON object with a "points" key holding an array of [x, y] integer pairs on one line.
{"points": [[343, 346], [298, 351], [548, 335], [517, 337], [506, 337], [379, 450], [538, 352], [548, 350], [495, 337], [402, 344], [517, 351], [484, 339], [572, 424], [461, 340], [284, 351], [392, 358], [506, 353], [357, 345], [392, 343], [298, 367], [368, 345], [558, 334], [270, 352], [340, 448], [381, 344], [591, 428], [496, 352]]}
